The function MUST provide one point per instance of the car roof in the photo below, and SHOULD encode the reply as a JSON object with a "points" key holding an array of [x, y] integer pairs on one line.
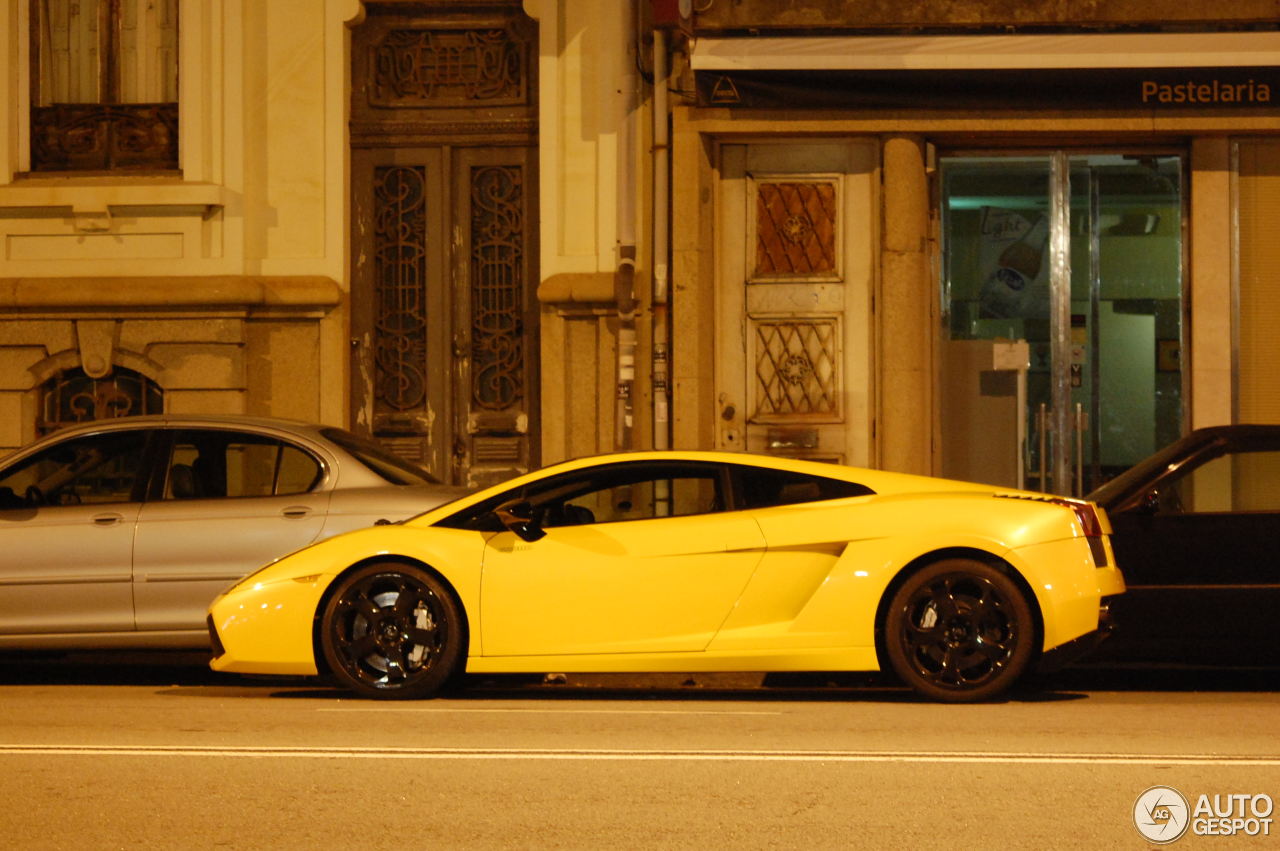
{"points": [[879, 481], [808, 466], [178, 420]]}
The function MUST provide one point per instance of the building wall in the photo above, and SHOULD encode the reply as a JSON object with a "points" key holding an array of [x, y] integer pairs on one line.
{"points": [[594, 166], [229, 285], [226, 284], [581, 173], [907, 322]]}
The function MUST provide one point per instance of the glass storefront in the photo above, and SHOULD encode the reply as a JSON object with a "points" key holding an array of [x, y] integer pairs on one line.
{"points": [[1074, 263]]}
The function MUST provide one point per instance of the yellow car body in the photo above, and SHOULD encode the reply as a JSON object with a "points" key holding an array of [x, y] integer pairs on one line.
{"points": [[735, 579]]}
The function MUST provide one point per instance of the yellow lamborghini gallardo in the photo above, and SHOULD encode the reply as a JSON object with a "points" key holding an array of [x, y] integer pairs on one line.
{"points": [[688, 561]]}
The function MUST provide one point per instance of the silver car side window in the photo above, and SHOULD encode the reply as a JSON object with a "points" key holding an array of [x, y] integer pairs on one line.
{"points": [[212, 463], [100, 468]]}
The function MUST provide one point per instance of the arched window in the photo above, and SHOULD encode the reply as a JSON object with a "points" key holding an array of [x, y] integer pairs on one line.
{"points": [[72, 397]]}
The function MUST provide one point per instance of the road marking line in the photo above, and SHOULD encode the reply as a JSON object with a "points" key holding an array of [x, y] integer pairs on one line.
{"points": [[943, 757], [424, 709]]}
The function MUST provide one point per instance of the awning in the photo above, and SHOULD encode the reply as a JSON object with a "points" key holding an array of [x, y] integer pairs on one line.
{"points": [[1129, 72], [990, 52]]}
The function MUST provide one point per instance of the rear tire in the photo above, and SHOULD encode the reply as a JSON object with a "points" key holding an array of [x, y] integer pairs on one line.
{"points": [[392, 631], [959, 630]]}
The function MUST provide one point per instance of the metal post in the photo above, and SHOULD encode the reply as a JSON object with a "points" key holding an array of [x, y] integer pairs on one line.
{"points": [[1060, 316]]}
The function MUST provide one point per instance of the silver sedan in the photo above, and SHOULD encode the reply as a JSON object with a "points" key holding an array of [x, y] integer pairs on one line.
{"points": [[118, 533]]}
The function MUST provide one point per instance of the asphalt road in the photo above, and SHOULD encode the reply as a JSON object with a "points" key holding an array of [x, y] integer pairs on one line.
{"points": [[148, 753]]}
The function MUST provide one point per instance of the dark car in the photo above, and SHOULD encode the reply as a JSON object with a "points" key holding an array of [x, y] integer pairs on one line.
{"points": [[118, 533], [1197, 534]]}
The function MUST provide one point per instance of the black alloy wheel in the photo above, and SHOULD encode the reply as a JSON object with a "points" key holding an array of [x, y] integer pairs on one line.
{"points": [[959, 630], [392, 631]]}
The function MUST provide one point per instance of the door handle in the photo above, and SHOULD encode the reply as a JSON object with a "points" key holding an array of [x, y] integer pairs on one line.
{"points": [[109, 519], [294, 512]]}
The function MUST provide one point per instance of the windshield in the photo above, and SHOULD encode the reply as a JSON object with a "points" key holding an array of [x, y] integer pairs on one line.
{"points": [[1122, 486], [391, 467]]}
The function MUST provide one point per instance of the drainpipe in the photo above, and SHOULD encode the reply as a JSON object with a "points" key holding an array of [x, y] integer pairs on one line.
{"points": [[624, 272], [661, 244]]}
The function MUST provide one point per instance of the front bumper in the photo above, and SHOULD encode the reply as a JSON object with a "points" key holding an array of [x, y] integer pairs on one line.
{"points": [[266, 629]]}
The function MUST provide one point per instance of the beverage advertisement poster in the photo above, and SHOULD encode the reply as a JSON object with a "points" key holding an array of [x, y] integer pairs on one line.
{"points": [[1014, 268]]}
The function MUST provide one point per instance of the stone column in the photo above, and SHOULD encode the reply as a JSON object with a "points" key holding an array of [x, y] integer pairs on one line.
{"points": [[905, 312], [1210, 335]]}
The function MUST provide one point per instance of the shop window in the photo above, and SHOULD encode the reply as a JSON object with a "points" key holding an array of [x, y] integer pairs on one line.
{"points": [[72, 397], [104, 86]]}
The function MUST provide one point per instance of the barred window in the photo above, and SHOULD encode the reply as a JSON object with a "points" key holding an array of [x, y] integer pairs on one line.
{"points": [[72, 397]]}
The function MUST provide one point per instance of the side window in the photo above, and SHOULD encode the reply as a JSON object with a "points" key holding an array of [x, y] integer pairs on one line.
{"points": [[759, 487], [1239, 482], [618, 492], [100, 468], [208, 464], [636, 495], [298, 471]]}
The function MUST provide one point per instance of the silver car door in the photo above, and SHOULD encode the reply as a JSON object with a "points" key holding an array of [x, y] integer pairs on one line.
{"points": [[67, 517], [232, 502]]}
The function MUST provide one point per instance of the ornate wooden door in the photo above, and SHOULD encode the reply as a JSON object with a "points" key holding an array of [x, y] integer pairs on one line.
{"points": [[444, 238], [793, 346]]}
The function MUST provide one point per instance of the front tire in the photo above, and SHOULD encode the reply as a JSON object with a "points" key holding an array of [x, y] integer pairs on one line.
{"points": [[959, 630], [392, 631]]}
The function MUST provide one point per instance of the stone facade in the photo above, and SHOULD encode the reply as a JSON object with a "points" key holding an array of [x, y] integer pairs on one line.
{"points": [[221, 283], [229, 283]]}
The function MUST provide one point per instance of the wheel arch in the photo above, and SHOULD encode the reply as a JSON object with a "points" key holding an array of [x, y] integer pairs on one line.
{"points": [[317, 651], [920, 562]]}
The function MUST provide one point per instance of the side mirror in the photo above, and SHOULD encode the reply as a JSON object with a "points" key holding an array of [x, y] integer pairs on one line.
{"points": [[521, 518], [1149, 504]]}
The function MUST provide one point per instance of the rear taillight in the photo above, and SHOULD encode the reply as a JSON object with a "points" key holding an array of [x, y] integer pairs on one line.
{"points": [[1087, 515]]}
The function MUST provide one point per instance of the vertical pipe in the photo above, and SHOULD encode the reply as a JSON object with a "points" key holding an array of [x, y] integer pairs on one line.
{"points": [[661, 243], [1093, 417], [624, 272], [1060, 318]]}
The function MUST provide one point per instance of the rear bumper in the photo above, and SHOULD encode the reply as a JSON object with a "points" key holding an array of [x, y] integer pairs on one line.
{"points": [[1077, 648]]}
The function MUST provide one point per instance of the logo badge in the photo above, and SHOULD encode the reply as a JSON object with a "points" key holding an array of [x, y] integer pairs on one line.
{"points": [[1161, 814]]}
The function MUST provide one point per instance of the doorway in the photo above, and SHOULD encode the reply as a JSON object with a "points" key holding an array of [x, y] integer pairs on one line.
{"points": [[1062, 310], [444, 237], [796, 224]]}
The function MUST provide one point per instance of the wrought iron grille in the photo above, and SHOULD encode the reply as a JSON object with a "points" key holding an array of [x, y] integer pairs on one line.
{"points": [[70, 137], [796, 365], [448, 67], [795, 229], [497, 287], [399, 258], [72, 397]]}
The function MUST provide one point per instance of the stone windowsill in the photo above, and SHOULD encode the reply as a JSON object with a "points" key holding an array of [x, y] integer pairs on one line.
{"points": [[295, 292], [40, 195]]}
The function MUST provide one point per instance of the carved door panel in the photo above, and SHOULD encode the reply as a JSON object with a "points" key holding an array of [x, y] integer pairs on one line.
{"points": [[444, 237], [495, 332], [442, 310], [400, 304], [793, 363]]}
